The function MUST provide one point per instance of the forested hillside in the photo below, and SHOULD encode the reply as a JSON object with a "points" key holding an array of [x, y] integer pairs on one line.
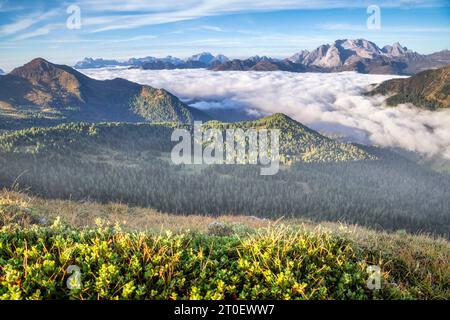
{"points": [[429, 89], [130, 163], [298, 142]]}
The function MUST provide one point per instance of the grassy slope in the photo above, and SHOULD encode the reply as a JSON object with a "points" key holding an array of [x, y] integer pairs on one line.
{"points": [[244, 257]]}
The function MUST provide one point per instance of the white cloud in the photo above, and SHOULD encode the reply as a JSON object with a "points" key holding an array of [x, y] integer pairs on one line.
{"points": [[342, 26], [107, 15], [24, 22], [221, 6], [131, 39], [332, 102], [6, 7], [407, 29], [152, 13], [40, 31], [212, 28]]}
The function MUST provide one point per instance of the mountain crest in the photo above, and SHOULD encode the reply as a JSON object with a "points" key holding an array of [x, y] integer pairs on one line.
{"points": [[200, 60], [58, 91], [37, 65], [428, 89], [277, 117], [40, 69], [364, 56], [297, 141]]}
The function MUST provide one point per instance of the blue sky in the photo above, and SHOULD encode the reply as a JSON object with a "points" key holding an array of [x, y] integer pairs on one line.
{"points": [[236, 28]]}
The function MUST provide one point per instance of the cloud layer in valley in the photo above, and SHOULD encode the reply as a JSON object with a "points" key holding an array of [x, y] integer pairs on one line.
{"points": [[332, 103]]}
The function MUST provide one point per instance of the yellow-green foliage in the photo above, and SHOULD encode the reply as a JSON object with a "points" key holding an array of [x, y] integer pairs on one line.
{"points": [[230, 261], [119, 265], [299, 142]]}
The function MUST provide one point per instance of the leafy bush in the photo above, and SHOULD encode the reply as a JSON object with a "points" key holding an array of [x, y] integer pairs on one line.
{"points": [[219, 260], [274, 263], [220, 229]]}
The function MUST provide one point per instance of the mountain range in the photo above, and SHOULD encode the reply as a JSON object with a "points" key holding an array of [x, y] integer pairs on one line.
{"points": [[366, 57], [40, 89], [42, 93], [258, 63], [201, 60], [428, 89], [358, 55], [2, 72]]}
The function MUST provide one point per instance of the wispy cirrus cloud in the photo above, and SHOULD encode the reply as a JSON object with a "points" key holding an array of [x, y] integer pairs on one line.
{"points": [[41, 31], [131, 39], [24, 22], [108, 15], [7, 6], [133, 5], [212, 28], [354, 27], [159, 13], [200, 28], [342, 26]]}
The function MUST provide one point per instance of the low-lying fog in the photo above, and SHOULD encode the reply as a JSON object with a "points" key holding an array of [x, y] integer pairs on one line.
{"points": [[332, 103]]}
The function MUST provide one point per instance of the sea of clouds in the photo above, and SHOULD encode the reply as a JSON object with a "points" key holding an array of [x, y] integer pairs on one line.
{"points": [[332, 103]]}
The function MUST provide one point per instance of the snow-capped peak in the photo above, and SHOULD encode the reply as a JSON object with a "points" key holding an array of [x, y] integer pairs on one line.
{"points": [[347, 51], [204, 57], [220, 58], [299, 56], [396, 50]]}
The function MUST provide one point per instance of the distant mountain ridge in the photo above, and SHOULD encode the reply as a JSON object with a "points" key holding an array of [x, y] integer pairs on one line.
{"points": [[428, 89], [257, 63], [365, 56], [45, 90], [2, 72], [201, 60], [358, 55]]}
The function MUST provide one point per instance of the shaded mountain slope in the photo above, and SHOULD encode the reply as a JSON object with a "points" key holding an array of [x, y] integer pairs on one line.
{"points": [[358, 55], [428, 89], [260, 64], [42, 89]]}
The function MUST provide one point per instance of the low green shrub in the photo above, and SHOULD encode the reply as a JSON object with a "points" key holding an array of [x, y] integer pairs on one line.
{"points": [[274, 263]]}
